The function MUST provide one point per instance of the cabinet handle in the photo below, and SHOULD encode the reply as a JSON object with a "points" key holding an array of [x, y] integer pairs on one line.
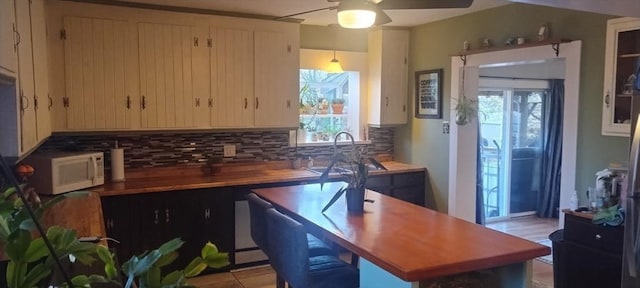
{"points": [[35, 102], [288, 103], [155, 219], [404, 108], [144, 102], [598, 237], [24, 102], [197, 102], [257, 103], [387, 99], [207, 213], [246, 103], [606, 99], [210, 103], [50, 102], [166, 214], [128, 102], [15, 31]]}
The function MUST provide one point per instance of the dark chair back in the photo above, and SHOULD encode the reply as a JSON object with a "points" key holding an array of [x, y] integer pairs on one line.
{"points": [[288, 248], [258, 219]]}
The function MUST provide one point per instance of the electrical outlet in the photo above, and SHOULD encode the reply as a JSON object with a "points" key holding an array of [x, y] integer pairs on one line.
{"points": [[445, 127], [293, 134], [229, 150]]}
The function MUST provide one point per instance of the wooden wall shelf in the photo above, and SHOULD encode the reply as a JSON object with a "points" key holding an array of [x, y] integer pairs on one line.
{"points": [[552, 42]]}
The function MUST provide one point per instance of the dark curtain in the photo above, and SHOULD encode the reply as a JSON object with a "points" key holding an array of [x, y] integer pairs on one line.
{"points": [[553, 107], [479, 195]]}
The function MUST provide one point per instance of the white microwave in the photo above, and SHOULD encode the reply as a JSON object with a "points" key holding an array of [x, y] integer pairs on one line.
{"points": [[58, 172]]}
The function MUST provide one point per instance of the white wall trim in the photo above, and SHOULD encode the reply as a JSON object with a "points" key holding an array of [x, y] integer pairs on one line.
{"points": [[463, 139]]}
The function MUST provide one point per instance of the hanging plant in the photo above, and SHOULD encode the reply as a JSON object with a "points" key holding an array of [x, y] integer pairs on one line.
{"points": [[466, 109]]}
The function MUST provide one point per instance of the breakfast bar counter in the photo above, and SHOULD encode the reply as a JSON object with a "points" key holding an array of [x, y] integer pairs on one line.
{"points": [[405, 245]]}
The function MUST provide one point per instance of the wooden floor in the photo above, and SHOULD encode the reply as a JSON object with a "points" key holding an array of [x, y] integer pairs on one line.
{"points": [[531, 228]]}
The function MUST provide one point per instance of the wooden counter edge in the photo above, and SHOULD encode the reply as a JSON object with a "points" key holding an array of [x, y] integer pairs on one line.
{"points": [[579, 214]]}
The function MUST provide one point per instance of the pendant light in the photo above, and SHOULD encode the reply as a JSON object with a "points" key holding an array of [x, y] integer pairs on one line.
{"points": [[334, 65], [356, 14]]}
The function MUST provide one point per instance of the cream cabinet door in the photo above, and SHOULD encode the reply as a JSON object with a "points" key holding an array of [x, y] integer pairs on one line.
{"points": [[165, 76], [43, 101], [388, 70], [231, 79], [8, 49], [276, 77], [95, 76], [622, 53], [26, 94]]}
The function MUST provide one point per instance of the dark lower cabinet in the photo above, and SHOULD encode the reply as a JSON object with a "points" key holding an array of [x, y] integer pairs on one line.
{"points": [[142, 222], [408, 187], [590, 255]]}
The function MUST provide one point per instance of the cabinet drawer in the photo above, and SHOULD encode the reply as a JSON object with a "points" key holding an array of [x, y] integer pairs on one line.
{"points": [[408, 179], [582, 231], [379, 181]]}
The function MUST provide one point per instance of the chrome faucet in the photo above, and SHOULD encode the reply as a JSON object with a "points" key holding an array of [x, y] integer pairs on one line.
{"points": [[335, 140]]}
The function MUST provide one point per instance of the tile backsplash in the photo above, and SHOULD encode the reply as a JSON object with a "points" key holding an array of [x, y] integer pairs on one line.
{"points": [[160, 149]]}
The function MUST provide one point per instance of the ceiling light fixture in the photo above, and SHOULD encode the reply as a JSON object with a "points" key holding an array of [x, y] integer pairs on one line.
{"points": [[334, 65], [356, 14]]}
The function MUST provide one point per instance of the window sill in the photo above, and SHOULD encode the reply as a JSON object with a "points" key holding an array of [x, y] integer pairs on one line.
{"points": [[340, 143]]}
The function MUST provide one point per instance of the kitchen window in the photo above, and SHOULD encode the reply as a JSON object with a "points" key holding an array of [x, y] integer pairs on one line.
{"points": [[330, 102]]}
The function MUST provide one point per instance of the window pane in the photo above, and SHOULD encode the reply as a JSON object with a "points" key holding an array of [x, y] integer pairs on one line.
{"points": [[328, 104]]}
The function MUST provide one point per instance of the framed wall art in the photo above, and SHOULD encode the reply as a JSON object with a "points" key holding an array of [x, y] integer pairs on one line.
{"points": [[429, 94]]}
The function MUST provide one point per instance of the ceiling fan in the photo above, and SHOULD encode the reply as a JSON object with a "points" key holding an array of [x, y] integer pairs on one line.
{"points": [[365, 13]]}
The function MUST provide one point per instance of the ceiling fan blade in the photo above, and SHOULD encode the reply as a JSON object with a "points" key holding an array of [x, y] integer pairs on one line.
{"points": [[305, 12], [423, 4], [381, 17]]}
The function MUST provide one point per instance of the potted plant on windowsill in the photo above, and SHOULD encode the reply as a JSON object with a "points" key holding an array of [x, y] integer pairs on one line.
{"points": [[337, 105], [355, 164]]}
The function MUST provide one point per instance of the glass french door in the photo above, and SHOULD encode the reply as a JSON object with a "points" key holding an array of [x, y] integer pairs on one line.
{"points": [[511, 141]]}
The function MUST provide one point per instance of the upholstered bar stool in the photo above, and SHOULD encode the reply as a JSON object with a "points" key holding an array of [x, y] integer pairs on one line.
{"points": [[289, 257], [258, 223]]}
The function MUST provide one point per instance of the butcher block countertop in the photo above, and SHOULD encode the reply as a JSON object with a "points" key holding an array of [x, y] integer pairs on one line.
{"points": [[151, 180]]}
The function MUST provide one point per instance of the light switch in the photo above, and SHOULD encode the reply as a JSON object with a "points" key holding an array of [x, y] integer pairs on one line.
{"points": [[229, 150]]}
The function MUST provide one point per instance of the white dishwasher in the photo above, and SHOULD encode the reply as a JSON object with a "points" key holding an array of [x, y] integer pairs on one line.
{"points": [[246, 251]]}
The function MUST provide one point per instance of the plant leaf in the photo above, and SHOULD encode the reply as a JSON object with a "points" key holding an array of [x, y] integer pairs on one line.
{"points": [[195, 267], [170, 246], [36, 251], [36, 274], [15, 273], [209, 250], [17, 245], [175, 277], [167, 259]]}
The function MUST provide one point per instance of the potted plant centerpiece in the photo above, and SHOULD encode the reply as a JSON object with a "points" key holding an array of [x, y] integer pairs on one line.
{"points": [[355, 170]]}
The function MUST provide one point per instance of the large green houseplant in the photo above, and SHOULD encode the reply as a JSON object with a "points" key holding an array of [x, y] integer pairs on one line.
{"points": [[31, 256]]}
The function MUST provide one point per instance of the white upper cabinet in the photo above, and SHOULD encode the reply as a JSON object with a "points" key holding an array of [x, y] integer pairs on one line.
{"points": [[166, 76], [388, 68], [8, 34], [95, 95], [26, 94], [127, 68], [622, 57], [43, 101], [276, 80], [231, 80]]}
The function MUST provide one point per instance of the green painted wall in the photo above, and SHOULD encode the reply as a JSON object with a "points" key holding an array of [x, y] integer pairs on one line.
{"points": [[422, 142]]}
